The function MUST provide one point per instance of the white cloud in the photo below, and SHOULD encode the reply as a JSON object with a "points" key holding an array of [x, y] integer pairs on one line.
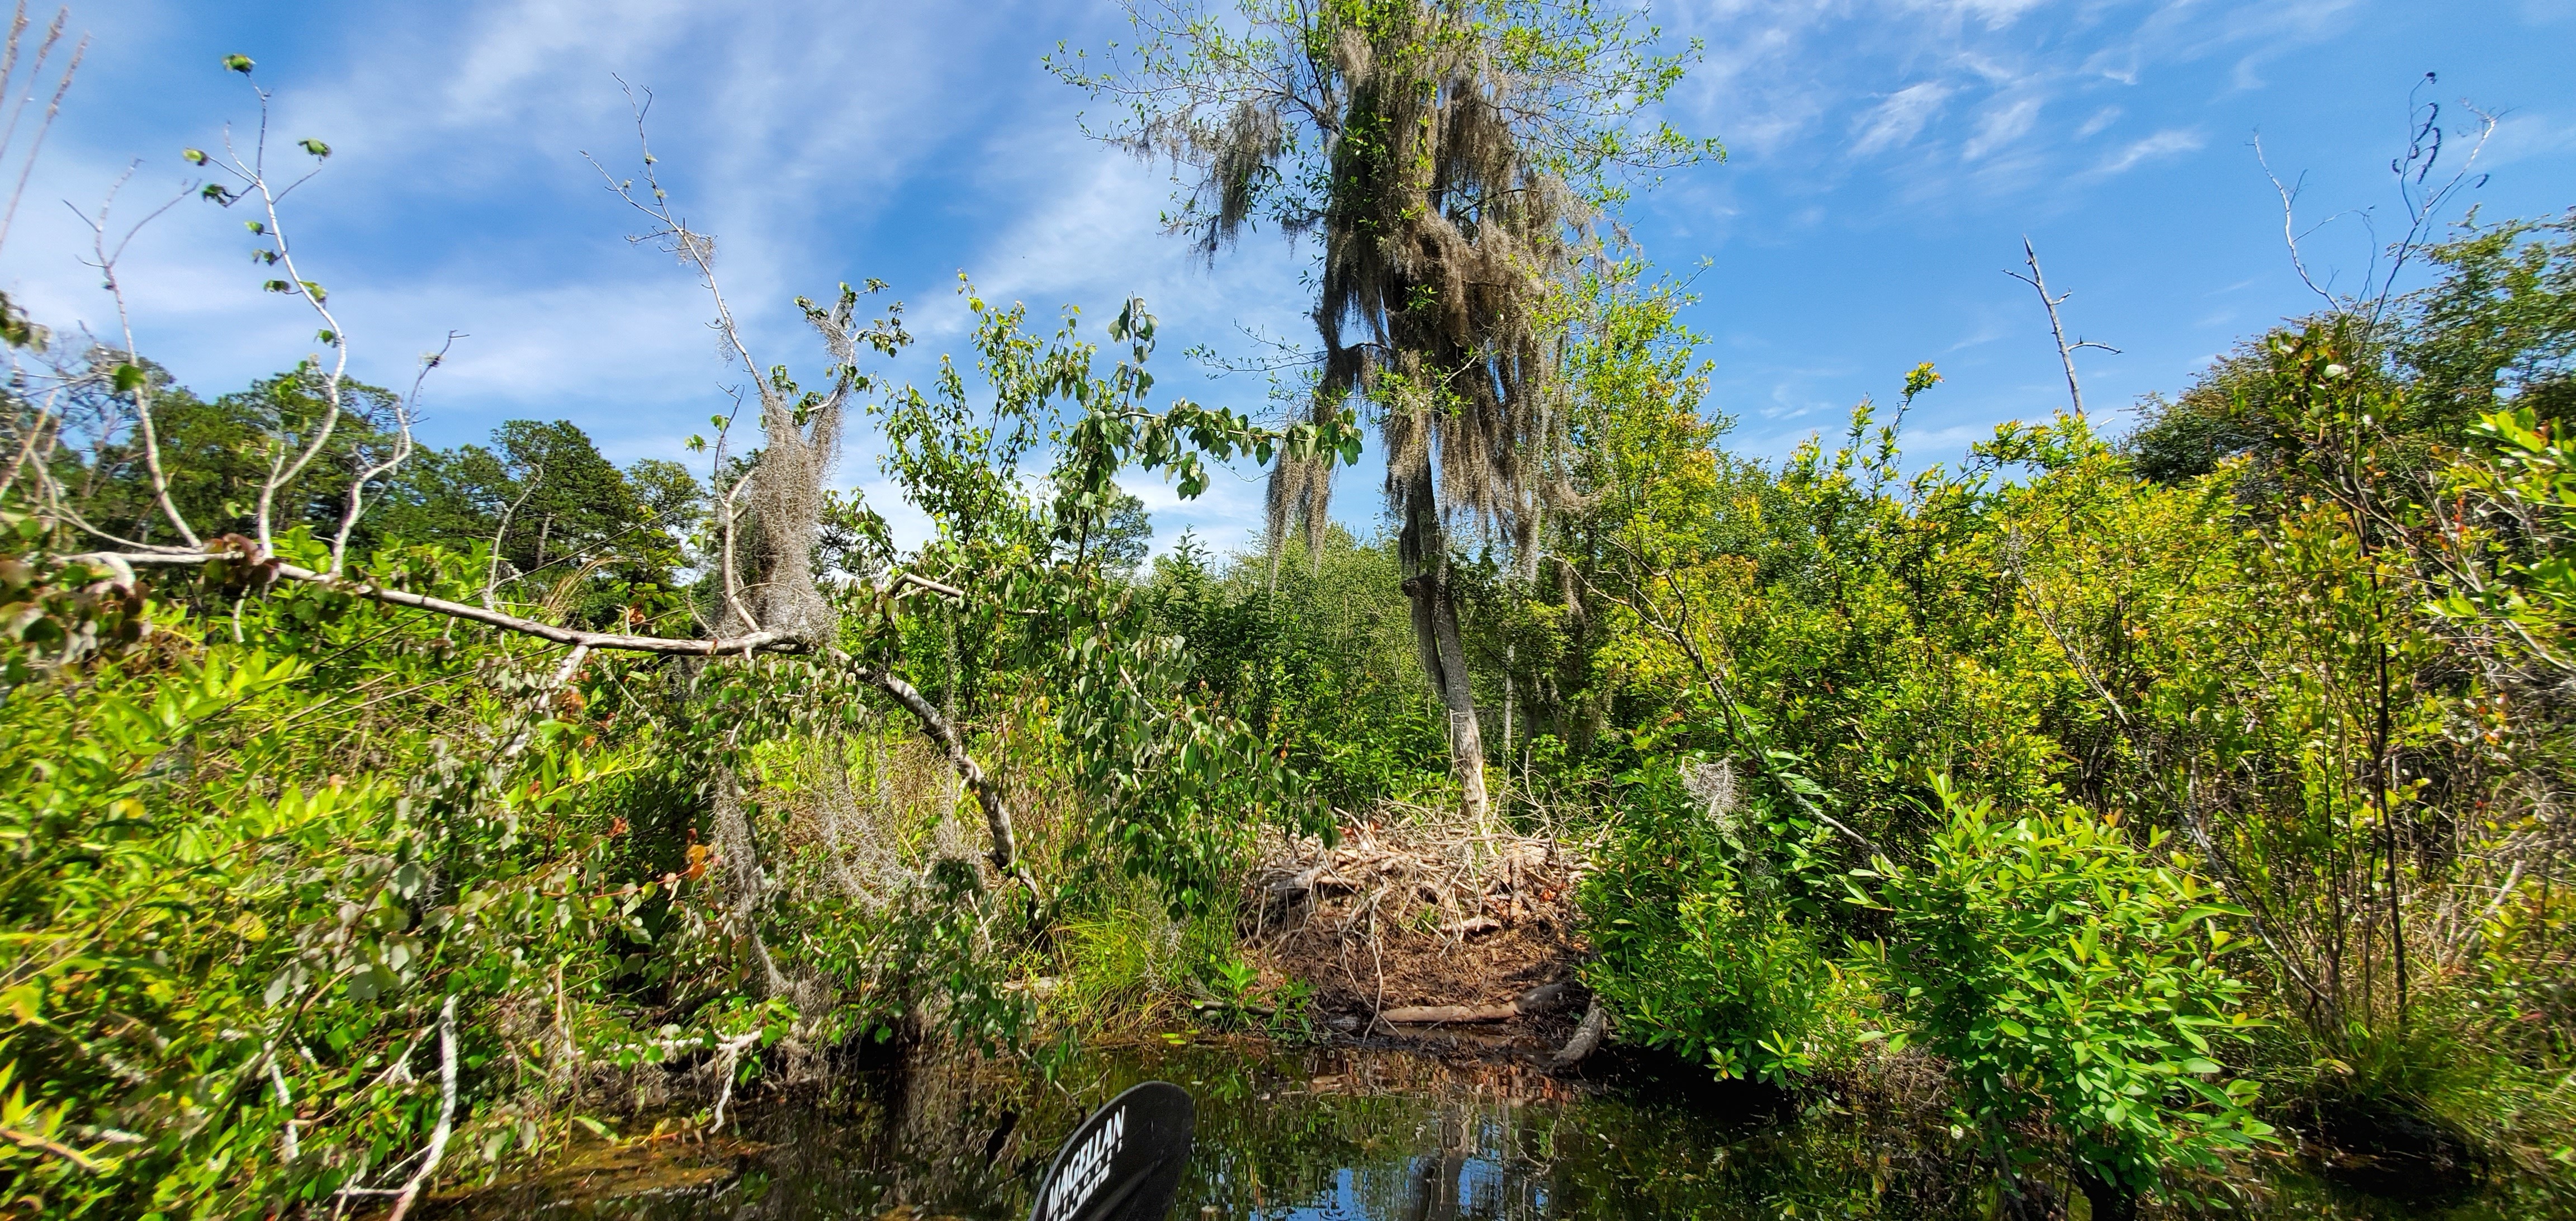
{"points": [[2524, 135], [1899, 117], [1996, 14], [2168, 143], [2002, 125]]}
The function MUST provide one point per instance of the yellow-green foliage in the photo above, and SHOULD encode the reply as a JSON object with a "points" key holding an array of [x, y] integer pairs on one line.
{"points": [[2329, 666], [1122, 965], [239, 893]]}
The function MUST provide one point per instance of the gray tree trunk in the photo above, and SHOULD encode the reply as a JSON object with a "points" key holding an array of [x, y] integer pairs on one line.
{"points": [[1435, 635]]}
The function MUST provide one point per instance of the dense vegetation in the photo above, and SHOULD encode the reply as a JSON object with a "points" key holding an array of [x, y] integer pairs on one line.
{"points": [[373, 816]]}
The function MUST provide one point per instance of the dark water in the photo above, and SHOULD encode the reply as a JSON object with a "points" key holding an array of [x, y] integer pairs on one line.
{"points": [[1345, 1134]]}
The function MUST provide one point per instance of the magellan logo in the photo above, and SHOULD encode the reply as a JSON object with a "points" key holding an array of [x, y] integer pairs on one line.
{"points": [[1084, 1171]]}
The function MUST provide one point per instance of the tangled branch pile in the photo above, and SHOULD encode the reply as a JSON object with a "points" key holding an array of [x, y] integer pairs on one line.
{"points": [[1419, 917]]}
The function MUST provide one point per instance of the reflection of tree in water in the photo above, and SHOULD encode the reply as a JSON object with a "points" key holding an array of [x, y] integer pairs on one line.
{"points": [[955, 1136], [1405, 1139], [1326, 1134]]}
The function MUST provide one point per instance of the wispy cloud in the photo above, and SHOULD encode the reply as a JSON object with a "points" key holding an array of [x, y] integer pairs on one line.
{"points": [[1899, 117], [2163, 144], [1994, 14], [2521, 137], [2001, 125]]}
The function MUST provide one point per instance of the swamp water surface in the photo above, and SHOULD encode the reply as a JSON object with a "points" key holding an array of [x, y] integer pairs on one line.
{"points": [[1330, 1133]]}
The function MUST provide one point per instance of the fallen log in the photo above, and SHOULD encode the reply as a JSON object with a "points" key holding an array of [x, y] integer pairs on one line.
{"points": [[1296, 885], [1306, 883], [1443, 1015], [1587, 1037]]}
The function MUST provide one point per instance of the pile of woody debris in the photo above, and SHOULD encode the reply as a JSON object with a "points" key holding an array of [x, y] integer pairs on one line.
{"points": [[1419, 923]]}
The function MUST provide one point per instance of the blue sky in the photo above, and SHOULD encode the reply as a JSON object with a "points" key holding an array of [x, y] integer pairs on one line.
{"points": [[1886, 161]]}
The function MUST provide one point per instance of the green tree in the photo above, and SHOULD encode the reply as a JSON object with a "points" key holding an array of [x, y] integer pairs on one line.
{"points": [[218, 453], [2499, 326], [1448, 156], [550, 508], [1318, 656]]}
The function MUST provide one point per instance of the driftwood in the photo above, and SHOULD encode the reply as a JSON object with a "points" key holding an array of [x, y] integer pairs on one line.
{"points": [[1587, 1037], [1443, 1015], [1536, 1001]]}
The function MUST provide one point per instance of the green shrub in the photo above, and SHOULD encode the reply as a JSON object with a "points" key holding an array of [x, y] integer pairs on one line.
{"points": [[1699, 951], [239, 897], [2072, 979]]}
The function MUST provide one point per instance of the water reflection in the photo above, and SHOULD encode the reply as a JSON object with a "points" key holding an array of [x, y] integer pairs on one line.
{"points": [[1319, 1134]]}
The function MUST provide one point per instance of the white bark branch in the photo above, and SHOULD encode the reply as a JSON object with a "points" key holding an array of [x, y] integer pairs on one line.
{"points": [[104, 261], [752, 642], [446, 1113], [403, 412], [2056, 328], [935, 724]]}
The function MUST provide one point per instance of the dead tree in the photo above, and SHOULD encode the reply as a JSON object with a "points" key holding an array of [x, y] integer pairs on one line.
{"points": [[2056, 327], [776, 608]]}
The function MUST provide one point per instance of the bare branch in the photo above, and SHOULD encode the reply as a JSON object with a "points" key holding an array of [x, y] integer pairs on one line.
{"points": [[404, 410], [937, 726], [446, 1113], [35, 430], [9, 83], [753, 642], [900, 579], [287, 1151], [690, 246], [104, 259], [2424, 207], [2290, 236], [492, 565], [2425, 198], [2056, 328], [280, 252], [50, 494], [729, 514]]}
